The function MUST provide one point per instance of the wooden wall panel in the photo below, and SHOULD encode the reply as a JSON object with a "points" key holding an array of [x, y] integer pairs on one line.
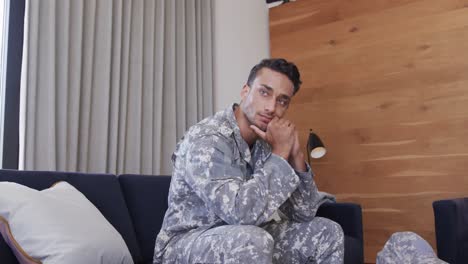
{"points": [[386, 88]]}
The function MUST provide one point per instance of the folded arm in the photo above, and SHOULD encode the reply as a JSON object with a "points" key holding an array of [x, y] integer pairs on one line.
{"points": [[220, 182]]}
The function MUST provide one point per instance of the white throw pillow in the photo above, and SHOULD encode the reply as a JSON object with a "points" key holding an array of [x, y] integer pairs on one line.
{"points": [[57, 226]]}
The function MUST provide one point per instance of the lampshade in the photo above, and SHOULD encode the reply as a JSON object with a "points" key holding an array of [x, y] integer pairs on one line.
{"points": [[315, 147]]}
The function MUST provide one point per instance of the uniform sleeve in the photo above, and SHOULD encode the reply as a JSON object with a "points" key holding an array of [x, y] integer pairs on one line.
{"points": [[305, 200], [219, 181]]}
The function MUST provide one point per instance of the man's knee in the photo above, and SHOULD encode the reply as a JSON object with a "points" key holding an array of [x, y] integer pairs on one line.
{"points": [[233, 244], [256, 236], [336, 228], [252, 243], [330, 228]]}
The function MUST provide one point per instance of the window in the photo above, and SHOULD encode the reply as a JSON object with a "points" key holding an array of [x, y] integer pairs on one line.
{"points": [[4, 7]]}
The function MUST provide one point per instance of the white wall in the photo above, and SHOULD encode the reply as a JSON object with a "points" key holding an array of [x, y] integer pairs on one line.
{"points": [[241, 40]]}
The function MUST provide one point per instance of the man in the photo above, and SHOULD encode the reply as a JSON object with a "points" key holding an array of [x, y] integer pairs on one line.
{"points": [[238, 171], [407, 247]]}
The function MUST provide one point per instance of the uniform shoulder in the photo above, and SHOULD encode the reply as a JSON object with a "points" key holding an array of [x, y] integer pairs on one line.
{"points": [[216, 125]]}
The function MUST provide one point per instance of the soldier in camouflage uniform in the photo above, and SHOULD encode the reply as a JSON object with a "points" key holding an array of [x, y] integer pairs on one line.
{"points": [[241, 191], [407, 247]]}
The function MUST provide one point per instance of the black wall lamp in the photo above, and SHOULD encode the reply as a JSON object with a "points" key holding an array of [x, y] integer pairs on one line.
{"points": [[315, 147], [274, 3]]}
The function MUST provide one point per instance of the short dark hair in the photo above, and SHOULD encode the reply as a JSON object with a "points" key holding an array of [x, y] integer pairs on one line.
{"points": [[279, 65]]}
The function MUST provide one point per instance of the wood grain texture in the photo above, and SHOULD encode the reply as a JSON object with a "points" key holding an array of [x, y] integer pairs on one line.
{"points": [[386, 88]]}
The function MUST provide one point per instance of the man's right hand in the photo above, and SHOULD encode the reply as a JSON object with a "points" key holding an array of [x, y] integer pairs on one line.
{"points": [[280, 135]]}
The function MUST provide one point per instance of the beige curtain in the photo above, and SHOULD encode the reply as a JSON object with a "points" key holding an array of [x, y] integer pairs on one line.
{"points": [[112, 85]]}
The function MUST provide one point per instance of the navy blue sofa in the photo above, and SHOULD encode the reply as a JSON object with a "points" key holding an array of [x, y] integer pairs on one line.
{"points": [[135, 206], [451, 226]]}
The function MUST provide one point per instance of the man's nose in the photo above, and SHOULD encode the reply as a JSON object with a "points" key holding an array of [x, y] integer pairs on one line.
{"points": [[270, 105]]}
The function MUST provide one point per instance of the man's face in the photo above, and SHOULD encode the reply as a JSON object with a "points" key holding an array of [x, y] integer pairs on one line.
{"points": [[268, 97]]}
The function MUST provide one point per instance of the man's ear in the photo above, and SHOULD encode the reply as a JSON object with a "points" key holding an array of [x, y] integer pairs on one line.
{"points": [[245, 91]]}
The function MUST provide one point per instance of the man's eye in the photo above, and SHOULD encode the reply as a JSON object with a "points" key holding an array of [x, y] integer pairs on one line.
{"points": [[283, 102], [263, 92]]}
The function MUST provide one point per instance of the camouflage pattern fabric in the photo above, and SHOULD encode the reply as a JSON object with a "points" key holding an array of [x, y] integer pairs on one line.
{"points": [[407, 247], [222, 192]]}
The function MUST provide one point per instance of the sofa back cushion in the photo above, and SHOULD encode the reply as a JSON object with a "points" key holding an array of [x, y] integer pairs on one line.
{"points": [[103, 190], [146, 197], [56, 225]]}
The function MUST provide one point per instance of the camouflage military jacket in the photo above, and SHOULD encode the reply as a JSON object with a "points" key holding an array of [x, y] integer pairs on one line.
{"points": [[218, 180]]}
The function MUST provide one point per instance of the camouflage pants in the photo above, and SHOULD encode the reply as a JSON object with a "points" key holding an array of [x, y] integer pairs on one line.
{"points": [[407, 247], [318, 241]]}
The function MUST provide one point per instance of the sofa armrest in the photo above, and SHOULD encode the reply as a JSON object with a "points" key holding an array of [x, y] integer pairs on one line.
{"points": [[348, 215], [451, 227], [146, 197]]}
